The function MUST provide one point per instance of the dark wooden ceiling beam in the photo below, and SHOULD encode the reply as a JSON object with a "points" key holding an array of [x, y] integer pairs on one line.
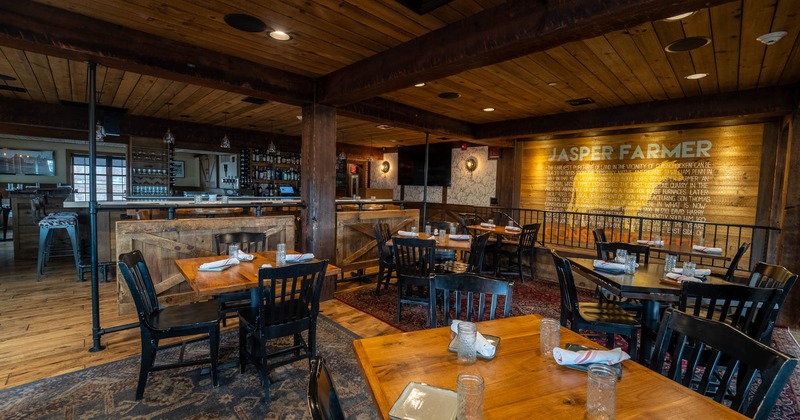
{"points": [[505, 32], [382, 111], [756, 103], [35, 27]]}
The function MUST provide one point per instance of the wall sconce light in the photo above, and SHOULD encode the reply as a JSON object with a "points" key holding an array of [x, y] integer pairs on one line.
{"points": [[385, 166], [471, 164]]}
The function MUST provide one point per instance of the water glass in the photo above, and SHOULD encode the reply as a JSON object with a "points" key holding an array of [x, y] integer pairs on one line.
{"points": [[601, 392], [549, 336], [689, 269], [413, 229], [620, 256], [453, 229], [470, 396], [224, 199], [212, 197], [280, 255], [428, 229], [233, 251], [630, 264], [670, 262], [442, 235], [198, 199], [467, 334]]}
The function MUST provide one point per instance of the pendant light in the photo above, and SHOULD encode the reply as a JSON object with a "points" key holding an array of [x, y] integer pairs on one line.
{"points": [[226, 144], [168, 137], [99, 132]]}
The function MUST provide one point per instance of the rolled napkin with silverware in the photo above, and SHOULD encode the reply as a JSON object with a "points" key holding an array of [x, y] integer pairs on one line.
{"points": [[299, 257], [680, 278], [459, 237], [513, 229], [609, 266], [242, 256], [407, 233], [702, 272], [706, 249], [482, 345], [217, 264], [651, 243], [488, 225], [608, 357]]}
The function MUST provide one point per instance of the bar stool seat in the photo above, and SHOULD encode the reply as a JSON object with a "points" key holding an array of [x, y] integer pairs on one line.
{"points": [[48, 224]]}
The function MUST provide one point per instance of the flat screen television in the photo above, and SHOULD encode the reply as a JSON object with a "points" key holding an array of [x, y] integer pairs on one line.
{"points": [[411, 165]]}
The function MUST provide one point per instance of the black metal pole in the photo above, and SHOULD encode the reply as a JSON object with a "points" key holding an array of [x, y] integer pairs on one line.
{"points": [[425, 184], [92, 95]]}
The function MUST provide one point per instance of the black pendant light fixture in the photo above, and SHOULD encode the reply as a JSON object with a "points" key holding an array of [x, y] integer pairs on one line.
{"points": [[226, 144], [168, 137]]}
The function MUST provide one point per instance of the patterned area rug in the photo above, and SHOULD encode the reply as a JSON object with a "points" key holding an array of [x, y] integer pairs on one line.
{"points": [[107, 391], [543, 297]]}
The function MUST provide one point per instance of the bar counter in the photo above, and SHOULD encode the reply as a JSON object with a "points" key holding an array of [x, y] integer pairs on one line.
{"points": [[170, 204]]}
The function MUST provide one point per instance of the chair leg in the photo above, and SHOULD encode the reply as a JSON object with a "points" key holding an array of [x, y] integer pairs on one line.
{"points": [[213, 338], [149, 347], [519, 262], [44, 243], [242, 348], [76, 251], [399, 297], [381, 268], [633, 345], [312, 339], [532, 263]]}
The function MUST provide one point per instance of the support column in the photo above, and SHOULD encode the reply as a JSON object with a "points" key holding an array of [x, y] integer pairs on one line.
{"points": [[790, 234], [318, 185]]}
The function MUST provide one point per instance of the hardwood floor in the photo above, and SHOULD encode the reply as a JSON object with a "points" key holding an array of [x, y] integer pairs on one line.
{"points": [[47, 325]]}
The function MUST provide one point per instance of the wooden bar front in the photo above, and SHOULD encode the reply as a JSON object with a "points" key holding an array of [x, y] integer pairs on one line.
{"points": [[356, 247]]}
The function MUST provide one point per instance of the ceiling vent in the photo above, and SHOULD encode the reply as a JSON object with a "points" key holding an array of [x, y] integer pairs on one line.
{"points": [[245, 23], [580, 101], [687, 44], [252, 100], [13, 88], [422, 7]]}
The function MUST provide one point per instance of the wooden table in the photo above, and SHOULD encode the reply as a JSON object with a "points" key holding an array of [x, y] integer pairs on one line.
{"points": [[687, 250], [520, 383], [447, 243], [242, 276]]}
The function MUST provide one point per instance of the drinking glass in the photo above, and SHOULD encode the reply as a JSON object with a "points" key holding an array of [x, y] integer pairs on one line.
{"points": [[601, 392], [470, 396], [224, 199], [467, 334], [428, 229], [413, 229], [620, 256], [442, 235], [670, 262], [198, 198], [689, 269], [630, 264], [490, 221], [549, 336], [233, 251], [280, 255], [453, 228], [212, 197]]}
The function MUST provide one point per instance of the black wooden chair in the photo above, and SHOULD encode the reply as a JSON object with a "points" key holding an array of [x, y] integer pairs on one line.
{"points": [[608, 317], [465, 297], [230, 303], [469, 219], [748, 309], [599, 237], [414, 263], [730, 274], [443, 255], [323, 402], [158, 322], [526, 247], [385, 256], [720, 361], [775, 277], [285, 303], [474, 264]]}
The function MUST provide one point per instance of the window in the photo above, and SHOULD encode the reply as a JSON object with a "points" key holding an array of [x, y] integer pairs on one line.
{"points": [[111, 180]]}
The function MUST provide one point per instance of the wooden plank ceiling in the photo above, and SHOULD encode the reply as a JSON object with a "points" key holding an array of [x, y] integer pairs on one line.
{"points": [[364, 55]]}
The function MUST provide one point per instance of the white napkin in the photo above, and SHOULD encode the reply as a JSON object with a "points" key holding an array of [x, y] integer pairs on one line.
{"points": [[513, 229], [242, 256], [609, 357], [459, 237], [680, 278], [607, 265], [407, 233], [707, 250], [653, 243], [697, 272], [487, 225], [220, 263], [299, 257], [483, 346]]}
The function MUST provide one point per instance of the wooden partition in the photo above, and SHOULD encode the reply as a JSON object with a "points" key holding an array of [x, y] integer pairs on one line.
{"points": [[164, 241], [355, 238]]}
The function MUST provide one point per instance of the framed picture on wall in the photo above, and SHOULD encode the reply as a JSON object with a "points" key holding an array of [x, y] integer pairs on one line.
{"points": [[179, 168], [27, 162]]}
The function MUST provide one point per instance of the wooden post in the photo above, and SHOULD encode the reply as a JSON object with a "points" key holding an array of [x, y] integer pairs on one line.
{"points": [[318, 186], [788, 249]]}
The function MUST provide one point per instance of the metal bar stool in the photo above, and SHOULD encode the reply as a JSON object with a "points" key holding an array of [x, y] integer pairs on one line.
{"points": [[48, 223]]}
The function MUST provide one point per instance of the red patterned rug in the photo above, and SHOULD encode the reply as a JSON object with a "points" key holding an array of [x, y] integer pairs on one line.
{"points": [[543, 297]]}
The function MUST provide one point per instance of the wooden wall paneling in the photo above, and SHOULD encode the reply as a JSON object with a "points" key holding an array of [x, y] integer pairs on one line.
{"points": [[318, 183], [790, 233], [505, 178], [164, 241], [773, 166], [356, 247]]}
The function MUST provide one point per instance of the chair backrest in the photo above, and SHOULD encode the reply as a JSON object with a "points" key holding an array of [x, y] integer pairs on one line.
{"points": [[599, 235], [382, 235], [38, 208], [464, 297], [287, 297], [773, 277], [569, 294], [323, 402], [140, 284], [729, 275], [477, 249], [748, 309], [247, 241], [527, 239], [414, 257], [608, 250], [469, 219], [698, 347]]}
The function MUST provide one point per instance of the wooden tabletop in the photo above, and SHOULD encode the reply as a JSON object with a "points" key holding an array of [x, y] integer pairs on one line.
{"points": [[497, 230], [446, 244], [238, 277], [518, 381]]}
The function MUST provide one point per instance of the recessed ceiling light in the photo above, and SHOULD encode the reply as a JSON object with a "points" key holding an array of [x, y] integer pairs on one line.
{"points": [[687, 44], [679, 17], [420, 84], [696, 76], [245, 23], [384, 127], [488, 109], [280, 35], [449, 95], [299, 117], [772, 37], [552, 84]]}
